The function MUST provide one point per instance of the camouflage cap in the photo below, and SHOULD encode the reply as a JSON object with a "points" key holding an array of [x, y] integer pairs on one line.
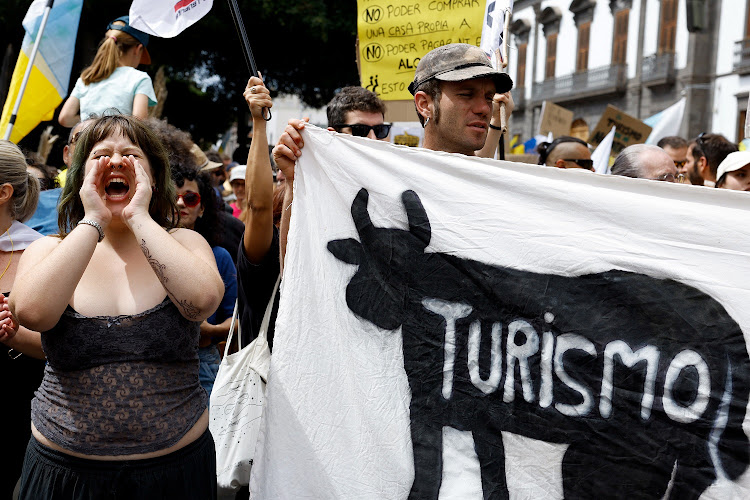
{"points": [[456, 62]]}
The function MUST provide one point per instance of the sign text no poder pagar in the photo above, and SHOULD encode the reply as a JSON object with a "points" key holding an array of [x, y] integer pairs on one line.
{"points": [[394, 35]]}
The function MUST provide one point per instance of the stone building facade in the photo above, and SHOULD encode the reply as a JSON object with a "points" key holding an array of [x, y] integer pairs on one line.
{"points": [[638, 55]]}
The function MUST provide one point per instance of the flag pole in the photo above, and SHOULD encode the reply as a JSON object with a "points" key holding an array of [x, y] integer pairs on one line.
{"points": [[246, 50], [29, 67], [504, 67]]}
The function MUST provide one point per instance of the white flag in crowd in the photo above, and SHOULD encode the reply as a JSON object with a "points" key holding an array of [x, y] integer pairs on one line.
{"points": [[603, 152], [457, 327], [493, 27], [167, 18], [666, 122]]}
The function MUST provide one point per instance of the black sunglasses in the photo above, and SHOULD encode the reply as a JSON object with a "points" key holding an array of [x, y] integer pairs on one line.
{"points": [[361, 130], [587, 164]]}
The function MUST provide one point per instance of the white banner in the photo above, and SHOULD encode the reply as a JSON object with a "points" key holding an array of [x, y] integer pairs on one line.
{"points": [[167, 18], [455, 327]]}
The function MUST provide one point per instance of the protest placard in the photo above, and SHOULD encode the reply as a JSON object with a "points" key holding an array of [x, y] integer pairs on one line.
{"points": [[630, 130], [395, 34], [555, 119]]}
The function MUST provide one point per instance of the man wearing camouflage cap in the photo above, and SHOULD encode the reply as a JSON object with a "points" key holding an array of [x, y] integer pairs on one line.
{"points": [[454, 88]]}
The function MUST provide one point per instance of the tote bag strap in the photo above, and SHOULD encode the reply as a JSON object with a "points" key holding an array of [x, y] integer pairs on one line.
{"points": [[231, 330], [263, 326], [267, 316]]}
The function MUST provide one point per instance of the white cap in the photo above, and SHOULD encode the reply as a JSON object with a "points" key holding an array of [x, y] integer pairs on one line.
{"points": [[237, 173], [733, 161]]}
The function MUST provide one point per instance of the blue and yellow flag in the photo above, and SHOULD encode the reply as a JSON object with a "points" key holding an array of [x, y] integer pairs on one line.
{"points": [[48, 82], [516, 146]]}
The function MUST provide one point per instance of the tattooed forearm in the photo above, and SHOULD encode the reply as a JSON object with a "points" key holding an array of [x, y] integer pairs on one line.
{"points": [[155, 264], [189, 310]]}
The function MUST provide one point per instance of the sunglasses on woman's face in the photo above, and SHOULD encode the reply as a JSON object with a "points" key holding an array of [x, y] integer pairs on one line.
{"points": [[360, 130], [190, 198]]}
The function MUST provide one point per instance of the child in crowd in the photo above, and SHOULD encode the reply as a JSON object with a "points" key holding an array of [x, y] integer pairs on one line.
{"points": [[112, 80]]}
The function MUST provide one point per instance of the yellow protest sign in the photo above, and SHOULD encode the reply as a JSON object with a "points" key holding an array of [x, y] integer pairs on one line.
{"points": [[395, 34]]}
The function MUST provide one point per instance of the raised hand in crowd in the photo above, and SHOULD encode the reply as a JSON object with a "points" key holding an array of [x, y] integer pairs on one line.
{"points": [[258, 176], [285, 154], [14, 336], [495, 133]]}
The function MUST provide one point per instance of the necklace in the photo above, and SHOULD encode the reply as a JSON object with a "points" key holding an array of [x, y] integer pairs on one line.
{"points": [[7, 231]]}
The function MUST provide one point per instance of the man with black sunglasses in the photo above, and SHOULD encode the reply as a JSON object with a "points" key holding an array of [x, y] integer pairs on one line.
{"points": [[353, 110], [359, 112]]}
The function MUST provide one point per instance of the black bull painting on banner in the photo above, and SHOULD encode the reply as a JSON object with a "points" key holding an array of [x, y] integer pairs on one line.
{"points": [[646, 380]]}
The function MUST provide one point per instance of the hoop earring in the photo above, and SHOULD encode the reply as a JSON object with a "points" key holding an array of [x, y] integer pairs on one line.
{"points": [[426, 122]]}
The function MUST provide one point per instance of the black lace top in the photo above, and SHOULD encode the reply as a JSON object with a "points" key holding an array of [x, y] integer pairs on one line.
{"points": [[120, 385]]}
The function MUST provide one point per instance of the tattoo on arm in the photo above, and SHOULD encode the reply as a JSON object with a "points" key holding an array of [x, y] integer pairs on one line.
{"points": [[188, 309]]}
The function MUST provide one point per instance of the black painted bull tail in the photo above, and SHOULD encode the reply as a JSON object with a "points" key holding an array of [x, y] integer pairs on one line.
{"points": [[643, 379]]}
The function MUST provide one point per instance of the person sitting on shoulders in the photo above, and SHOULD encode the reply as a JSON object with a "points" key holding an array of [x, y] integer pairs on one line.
{"points": [[112, 80]]}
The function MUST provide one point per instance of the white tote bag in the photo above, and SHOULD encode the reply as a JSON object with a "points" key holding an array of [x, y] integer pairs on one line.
{"points": [[237, 404]]}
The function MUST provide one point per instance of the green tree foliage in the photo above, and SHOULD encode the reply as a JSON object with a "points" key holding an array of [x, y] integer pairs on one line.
{"points": [[303, 47]]}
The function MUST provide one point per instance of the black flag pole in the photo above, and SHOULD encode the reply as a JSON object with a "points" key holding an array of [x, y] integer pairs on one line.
{"points": [[504, 67], [246, 50]]}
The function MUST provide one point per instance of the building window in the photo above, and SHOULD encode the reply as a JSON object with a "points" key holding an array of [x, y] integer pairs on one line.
{"points": [[741, 125], [667, 26], [620, 44], [549, 67], [582, 59], [549, 18], [521, 66]]}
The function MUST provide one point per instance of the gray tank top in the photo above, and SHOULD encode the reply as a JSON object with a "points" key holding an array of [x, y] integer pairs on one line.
{"points": [[120, 385]]}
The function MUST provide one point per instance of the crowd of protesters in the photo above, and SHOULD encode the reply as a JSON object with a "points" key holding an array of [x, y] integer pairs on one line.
{"points": [[134, 287]]}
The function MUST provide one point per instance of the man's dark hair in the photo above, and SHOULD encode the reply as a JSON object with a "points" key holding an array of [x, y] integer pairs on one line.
{"points": [[214, 155], [673, 141], [353, 99], [714, 147], [545, 148], [433, 89]]}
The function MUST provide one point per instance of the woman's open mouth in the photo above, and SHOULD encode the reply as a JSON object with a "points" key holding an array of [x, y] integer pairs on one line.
{"points": [[117, 189]]}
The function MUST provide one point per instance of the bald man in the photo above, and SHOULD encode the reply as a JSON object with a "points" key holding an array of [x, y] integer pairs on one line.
{"points": [[645, 161]]}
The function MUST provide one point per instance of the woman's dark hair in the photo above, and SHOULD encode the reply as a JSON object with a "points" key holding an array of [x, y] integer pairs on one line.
{"points": [[163, 208], [545, 148], [184, 166], [208, 225]]}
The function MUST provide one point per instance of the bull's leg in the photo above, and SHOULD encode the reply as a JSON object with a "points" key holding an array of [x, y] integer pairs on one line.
{"points": [[694, 473], [427, 442], [491, 455], [614, 468]]}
